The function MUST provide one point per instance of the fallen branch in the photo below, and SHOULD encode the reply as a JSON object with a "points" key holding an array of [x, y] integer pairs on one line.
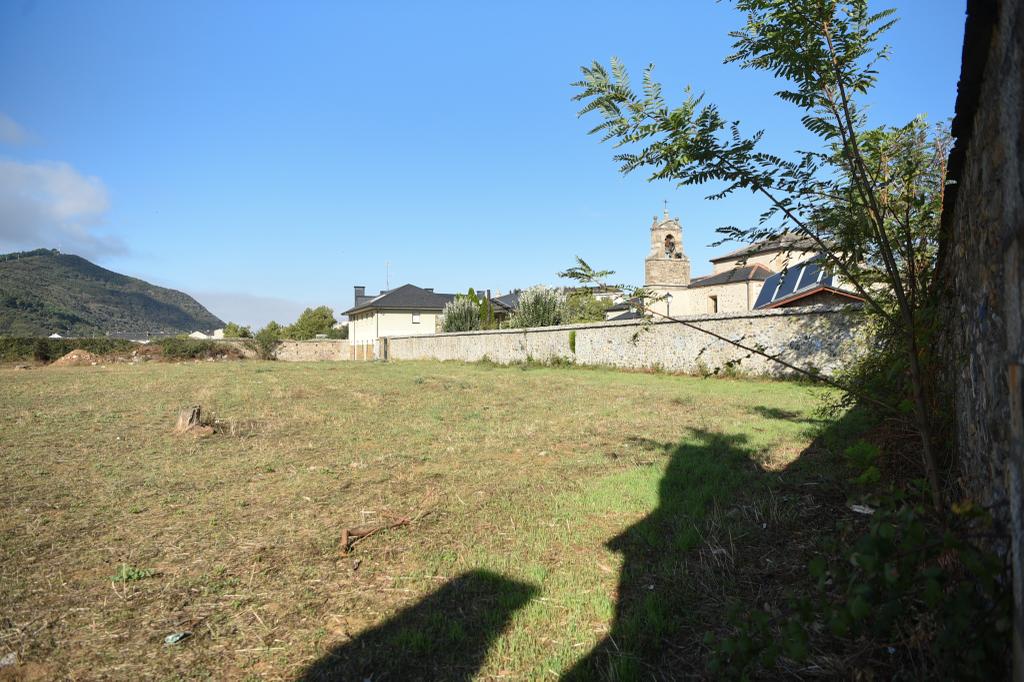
{"points": [[350, 536]]}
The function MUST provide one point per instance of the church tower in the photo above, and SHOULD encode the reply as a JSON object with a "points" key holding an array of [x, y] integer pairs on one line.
{"points": [[667, 264]]}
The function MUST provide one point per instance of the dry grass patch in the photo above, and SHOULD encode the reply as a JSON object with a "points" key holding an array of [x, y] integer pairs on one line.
{"points": [[549, 490]]}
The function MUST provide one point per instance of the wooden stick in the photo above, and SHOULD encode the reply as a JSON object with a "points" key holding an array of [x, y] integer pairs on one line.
{"points": [[350, 536]]}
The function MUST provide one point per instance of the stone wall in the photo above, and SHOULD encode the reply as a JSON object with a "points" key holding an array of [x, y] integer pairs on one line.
{"points": [[819, 337], [666, 271], [312, 350], [982, 265]]}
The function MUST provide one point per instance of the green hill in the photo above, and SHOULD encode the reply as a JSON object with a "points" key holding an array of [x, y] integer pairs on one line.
{"points": [[44, 291]]}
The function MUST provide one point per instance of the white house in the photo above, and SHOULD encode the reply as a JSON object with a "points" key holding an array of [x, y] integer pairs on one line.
{"points": [[405, 311]]}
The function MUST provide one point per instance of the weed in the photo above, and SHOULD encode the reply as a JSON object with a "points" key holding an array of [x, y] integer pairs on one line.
{"points": [[126, 573]]}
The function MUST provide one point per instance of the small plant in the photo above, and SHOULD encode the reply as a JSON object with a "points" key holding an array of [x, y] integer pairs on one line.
{"points": [[572, 341], [863, 456], [127, 574]]}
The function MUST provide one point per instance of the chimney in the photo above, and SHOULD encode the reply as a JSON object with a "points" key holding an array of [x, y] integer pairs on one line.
{"points": [[360, 293], [430, 289]]}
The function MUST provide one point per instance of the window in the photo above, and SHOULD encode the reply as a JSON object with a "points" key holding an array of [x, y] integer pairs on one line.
{"points": [[415, 318], [670, 245], [712, 304]]}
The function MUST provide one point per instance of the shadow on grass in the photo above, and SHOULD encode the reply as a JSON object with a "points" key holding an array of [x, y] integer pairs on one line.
{"points": [[653, 593], [785, 415], [445, 636], [725, 532]]}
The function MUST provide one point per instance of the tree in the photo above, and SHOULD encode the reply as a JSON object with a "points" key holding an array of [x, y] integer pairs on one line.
{"points": [[338, 332], [582, 306], [461, 314], [868, 199], [311, 322], [539, 306], [236, 331]]}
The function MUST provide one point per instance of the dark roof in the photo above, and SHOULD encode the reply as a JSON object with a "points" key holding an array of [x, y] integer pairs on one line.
{"points": [[798, 281], [405, 297], [744, 273], [979, 32], [628, 315], [784, 242], [509, 301]]}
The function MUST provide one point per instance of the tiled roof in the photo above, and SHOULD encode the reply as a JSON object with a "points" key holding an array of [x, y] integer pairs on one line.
{"points": [[745, 273], [509, 301], [405, 297], [784, 242]]}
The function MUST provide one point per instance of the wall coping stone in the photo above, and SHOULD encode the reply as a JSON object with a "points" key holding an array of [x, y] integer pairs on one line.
{"points": [[719, 317]]}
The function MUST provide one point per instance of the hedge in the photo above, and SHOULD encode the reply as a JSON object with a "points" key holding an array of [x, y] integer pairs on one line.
{"points": [[13, 349]]}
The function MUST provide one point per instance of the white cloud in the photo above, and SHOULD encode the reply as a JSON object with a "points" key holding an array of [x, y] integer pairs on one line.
{"points": [[10, 131], [52, 205]]}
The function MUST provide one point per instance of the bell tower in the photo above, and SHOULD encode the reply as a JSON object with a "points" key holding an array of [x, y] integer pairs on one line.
{"points": [[666, 264]]}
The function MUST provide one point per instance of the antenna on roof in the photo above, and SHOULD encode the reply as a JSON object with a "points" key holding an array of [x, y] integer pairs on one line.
{"points": [[387, 274]]}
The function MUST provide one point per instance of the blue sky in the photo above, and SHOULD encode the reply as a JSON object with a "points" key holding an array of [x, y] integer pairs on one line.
{"points": [[268, 156]]}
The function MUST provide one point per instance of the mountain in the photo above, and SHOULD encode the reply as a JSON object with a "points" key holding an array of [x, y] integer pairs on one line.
{"points": [[46, 291]]}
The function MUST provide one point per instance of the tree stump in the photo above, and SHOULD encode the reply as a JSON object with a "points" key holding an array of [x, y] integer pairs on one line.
{"points": [[189, 418]]}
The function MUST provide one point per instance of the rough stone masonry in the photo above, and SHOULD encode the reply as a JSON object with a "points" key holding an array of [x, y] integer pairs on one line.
{"points": [[814, 337], [982, 267]]}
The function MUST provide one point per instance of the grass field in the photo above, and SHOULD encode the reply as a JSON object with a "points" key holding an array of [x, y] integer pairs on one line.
{"points": [[569, 522]]}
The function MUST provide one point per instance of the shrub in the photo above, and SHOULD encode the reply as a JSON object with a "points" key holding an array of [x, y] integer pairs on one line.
{"points": [[539, 306], [461, 314], [177, 348], [904, 570], [266, 340]]}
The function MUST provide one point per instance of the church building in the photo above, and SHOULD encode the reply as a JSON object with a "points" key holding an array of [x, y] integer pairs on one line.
{"points": [[767, 274]]}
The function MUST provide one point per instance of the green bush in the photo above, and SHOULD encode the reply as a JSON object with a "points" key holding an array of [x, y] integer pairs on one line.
{"points": [[266, 340], [177, 348], [539, 306]]}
